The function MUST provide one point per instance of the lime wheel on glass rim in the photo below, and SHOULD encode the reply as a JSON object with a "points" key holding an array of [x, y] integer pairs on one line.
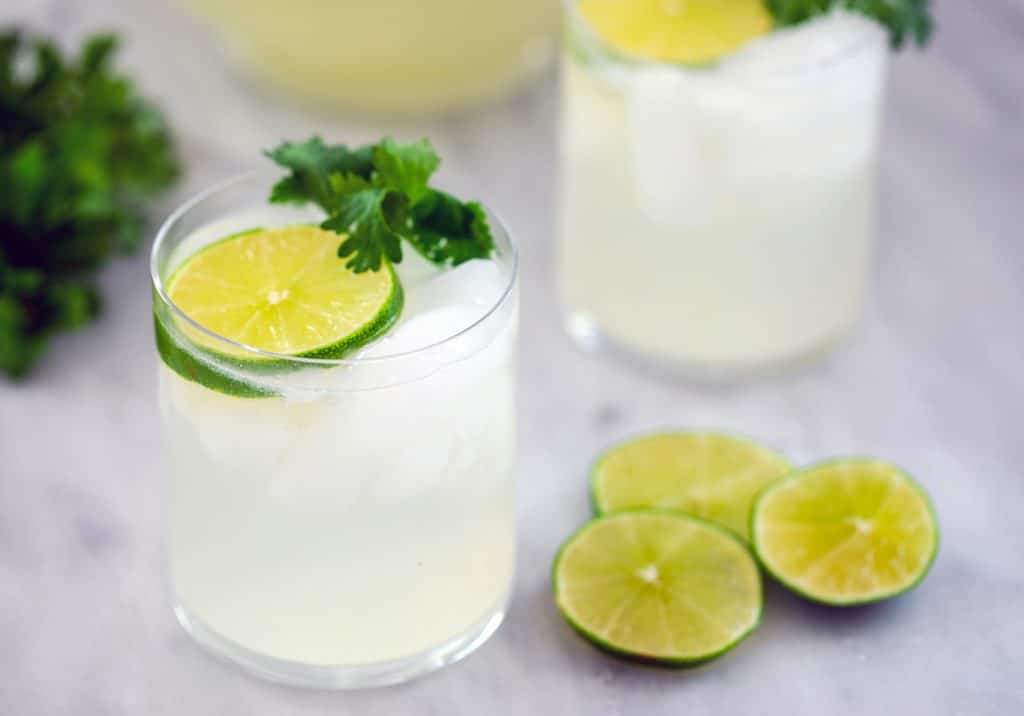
{"points": [[283, 291]]}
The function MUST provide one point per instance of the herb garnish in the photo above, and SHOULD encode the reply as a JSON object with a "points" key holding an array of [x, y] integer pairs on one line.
{"points": [[903, 18], [379, 194], [79, 152]]}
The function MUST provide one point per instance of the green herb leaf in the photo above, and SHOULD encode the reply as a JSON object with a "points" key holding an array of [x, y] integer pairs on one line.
{"points": [[312, 164], [361, 216], [80, 152], [406, 169], [378, 195], [905, 19], [448, 231]]}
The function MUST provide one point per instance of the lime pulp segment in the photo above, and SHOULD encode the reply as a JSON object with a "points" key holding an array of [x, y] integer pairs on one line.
{"points": [[658, 585], [844, 532], [710, 475]]}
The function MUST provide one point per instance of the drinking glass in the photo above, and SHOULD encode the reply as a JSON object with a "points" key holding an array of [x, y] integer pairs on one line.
{"points": [[718, 220], [335, 523]]}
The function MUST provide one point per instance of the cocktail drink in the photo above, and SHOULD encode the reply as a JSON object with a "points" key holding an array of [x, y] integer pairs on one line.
{"points": [[397, 56], [335, 521], [718, 179]]}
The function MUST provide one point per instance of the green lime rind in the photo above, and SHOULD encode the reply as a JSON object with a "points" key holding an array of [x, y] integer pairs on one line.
{"points": [[679, 660], [189, 366], [600, 503], [768, 562]]}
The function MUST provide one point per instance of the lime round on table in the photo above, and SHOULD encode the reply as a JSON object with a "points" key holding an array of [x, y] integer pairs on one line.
{"points": [[710, 475], [683, 31], [659, 586], [846, 532], [285, 291]]}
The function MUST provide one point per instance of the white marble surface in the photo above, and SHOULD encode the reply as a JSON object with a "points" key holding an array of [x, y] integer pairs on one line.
{"points": [[933, 379]]}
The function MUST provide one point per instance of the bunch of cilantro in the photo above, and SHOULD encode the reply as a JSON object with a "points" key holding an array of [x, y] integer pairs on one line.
{"points": [[902, 18], [80, 151], [377, 196]]}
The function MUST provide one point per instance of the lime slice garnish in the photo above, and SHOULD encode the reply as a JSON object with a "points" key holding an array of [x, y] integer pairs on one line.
{"points": [[846, 532], [709, 475], [684, 31], [284, 291], [658, 585]]}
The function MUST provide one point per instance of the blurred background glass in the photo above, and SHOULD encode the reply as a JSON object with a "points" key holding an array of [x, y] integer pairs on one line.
{"points": [[747, 187], [387, 56]]}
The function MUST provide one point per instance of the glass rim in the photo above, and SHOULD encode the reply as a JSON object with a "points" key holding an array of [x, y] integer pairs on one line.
{"points": [[194, 201], [845, 53]]}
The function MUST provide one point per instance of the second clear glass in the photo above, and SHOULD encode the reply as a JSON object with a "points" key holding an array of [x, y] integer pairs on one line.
{"points": [[719, 220]]}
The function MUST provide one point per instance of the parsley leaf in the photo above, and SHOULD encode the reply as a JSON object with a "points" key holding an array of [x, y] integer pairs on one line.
{"points": [[370, 238], [80, 153], [378, 195], [903, 18], [406, 169], [445, 230], [312, 164]]}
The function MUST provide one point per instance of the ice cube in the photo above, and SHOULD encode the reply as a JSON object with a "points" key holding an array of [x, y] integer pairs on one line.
{"points": [[328, 463], [673, 115], [414, 270], [797, 103], [791, 54], [388, 443], [813, 98], [424, 329], [440, 307], [232, 433], [474, 283]]}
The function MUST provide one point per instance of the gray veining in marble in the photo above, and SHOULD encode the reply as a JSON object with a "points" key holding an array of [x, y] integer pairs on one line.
{"points": [[933, 379]]}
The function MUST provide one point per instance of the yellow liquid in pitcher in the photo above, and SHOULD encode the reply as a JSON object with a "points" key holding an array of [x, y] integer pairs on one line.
{"points": [[389, 55]]}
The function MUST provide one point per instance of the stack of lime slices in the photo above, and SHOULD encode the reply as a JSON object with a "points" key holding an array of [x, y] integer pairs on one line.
{"points": [[668, 571], [282, 291]]}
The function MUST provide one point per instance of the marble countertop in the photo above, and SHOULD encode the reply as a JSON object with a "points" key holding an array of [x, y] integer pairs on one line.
{"points": [[933, 379]]}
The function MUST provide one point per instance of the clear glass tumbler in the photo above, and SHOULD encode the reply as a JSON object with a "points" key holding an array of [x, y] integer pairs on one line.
{"points": [[335, 523], [388, 56], [718, 220]]}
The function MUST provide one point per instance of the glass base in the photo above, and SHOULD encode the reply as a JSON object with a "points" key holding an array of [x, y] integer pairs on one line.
{"points": [[354, 676], [589, 336]]}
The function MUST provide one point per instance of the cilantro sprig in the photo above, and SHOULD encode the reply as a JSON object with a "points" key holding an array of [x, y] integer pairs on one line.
{"points": [[905, 19], [80, 153], [378, 196]]}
